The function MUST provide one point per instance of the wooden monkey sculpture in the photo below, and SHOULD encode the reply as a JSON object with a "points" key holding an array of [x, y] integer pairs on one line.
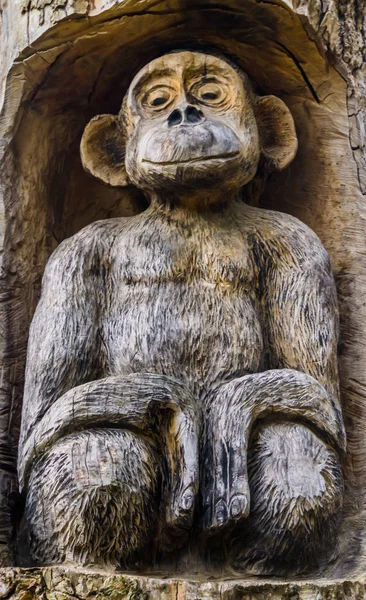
{"points": [[182, 365]]}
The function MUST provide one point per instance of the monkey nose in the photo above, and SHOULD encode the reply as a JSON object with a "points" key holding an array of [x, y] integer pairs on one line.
{"points": [[190, 114]]}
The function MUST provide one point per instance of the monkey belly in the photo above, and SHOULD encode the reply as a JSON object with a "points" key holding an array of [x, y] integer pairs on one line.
{"points": [[197, 333]]}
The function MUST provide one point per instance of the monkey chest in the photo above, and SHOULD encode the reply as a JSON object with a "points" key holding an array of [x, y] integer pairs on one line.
{"points": [[185, 310]]}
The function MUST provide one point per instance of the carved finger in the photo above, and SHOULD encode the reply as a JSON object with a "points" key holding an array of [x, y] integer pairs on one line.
{"points": [[182, 455], [238, 488], [216, 477], [230, 494]]}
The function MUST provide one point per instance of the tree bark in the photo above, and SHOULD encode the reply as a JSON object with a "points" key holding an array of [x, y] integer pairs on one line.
{"points": [[64, 61]]}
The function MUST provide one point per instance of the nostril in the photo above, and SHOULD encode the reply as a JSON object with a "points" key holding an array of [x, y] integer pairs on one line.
{"points": [[175, 117], [193, 114]]}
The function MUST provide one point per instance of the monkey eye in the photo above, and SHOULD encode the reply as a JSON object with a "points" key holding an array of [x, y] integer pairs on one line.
{"points": [[209, 93], [158, 98]]}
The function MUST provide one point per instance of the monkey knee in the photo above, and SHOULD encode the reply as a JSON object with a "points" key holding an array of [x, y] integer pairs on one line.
{"points": [[295, 479], [91, 498], [296, 487]]}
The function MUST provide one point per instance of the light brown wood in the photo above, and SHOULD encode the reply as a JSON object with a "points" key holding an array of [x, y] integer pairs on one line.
{"points": [[323, 186], [75, 584], [227, 313]]}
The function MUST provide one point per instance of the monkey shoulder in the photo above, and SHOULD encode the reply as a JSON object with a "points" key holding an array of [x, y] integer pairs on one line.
{"points": [[78, 257], [285, 243]]}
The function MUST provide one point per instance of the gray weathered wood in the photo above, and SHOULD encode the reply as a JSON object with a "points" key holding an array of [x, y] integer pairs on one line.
{"points": [[222, 313], [322, 186]]}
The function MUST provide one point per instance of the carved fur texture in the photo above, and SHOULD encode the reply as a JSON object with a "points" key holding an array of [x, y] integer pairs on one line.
{"points": [[296, 486], [100, 505], [164, 342]]}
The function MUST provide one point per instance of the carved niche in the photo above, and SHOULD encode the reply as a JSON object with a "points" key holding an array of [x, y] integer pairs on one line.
{"points": [[182, 388]]}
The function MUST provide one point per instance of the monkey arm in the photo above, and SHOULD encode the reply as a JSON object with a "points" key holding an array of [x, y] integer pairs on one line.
{"points": [[300, 325], [64, 342], [236, 405], [299, 302], [300, 319], [234, 408], [64, 352], [145, 403]]}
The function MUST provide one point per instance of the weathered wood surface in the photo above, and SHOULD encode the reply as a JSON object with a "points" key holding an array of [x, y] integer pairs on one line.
{"points": [[287, 63], [222, 314], [71, 584]]}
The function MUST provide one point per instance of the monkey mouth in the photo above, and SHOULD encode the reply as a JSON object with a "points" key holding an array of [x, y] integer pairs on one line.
{"points": [[192, 160]]}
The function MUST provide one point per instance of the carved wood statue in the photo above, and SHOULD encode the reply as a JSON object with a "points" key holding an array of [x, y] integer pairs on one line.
{"points": [[182, 379]]}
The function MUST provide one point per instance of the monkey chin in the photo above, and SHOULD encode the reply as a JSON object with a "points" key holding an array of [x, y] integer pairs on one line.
{"points": [[217, 177]]}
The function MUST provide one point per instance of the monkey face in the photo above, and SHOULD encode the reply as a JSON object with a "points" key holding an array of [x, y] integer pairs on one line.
{"points": [[191, 124]]}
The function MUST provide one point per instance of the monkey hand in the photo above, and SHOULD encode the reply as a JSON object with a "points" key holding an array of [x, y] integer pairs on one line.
{"points": [[232, 410], [159, 408], [226, 494], [181, 452]]}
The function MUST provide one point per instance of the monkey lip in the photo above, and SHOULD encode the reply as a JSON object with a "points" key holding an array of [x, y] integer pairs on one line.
{"points": [[190, 160]]}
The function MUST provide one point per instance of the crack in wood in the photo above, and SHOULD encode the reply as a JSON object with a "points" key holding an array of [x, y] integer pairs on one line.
{"points": [[302, 71]]}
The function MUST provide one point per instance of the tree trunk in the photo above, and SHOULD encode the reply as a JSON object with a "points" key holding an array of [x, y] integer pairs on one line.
{"points": [[64, 61]]}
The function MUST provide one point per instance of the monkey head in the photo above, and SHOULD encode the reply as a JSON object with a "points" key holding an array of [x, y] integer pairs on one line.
{"points": [[189, 123]]}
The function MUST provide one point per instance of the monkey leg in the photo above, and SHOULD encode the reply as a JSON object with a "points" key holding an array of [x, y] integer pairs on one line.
{"points": [[93, 499], [154, 406], [296, 487], [231, 411]]}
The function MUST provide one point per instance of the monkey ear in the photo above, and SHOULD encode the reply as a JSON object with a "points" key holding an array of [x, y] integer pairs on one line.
{"points": [[102, 150], [277, 133]]}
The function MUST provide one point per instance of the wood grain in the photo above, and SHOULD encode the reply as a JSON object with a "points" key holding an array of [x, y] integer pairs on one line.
{"points": [[322, 187]]}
